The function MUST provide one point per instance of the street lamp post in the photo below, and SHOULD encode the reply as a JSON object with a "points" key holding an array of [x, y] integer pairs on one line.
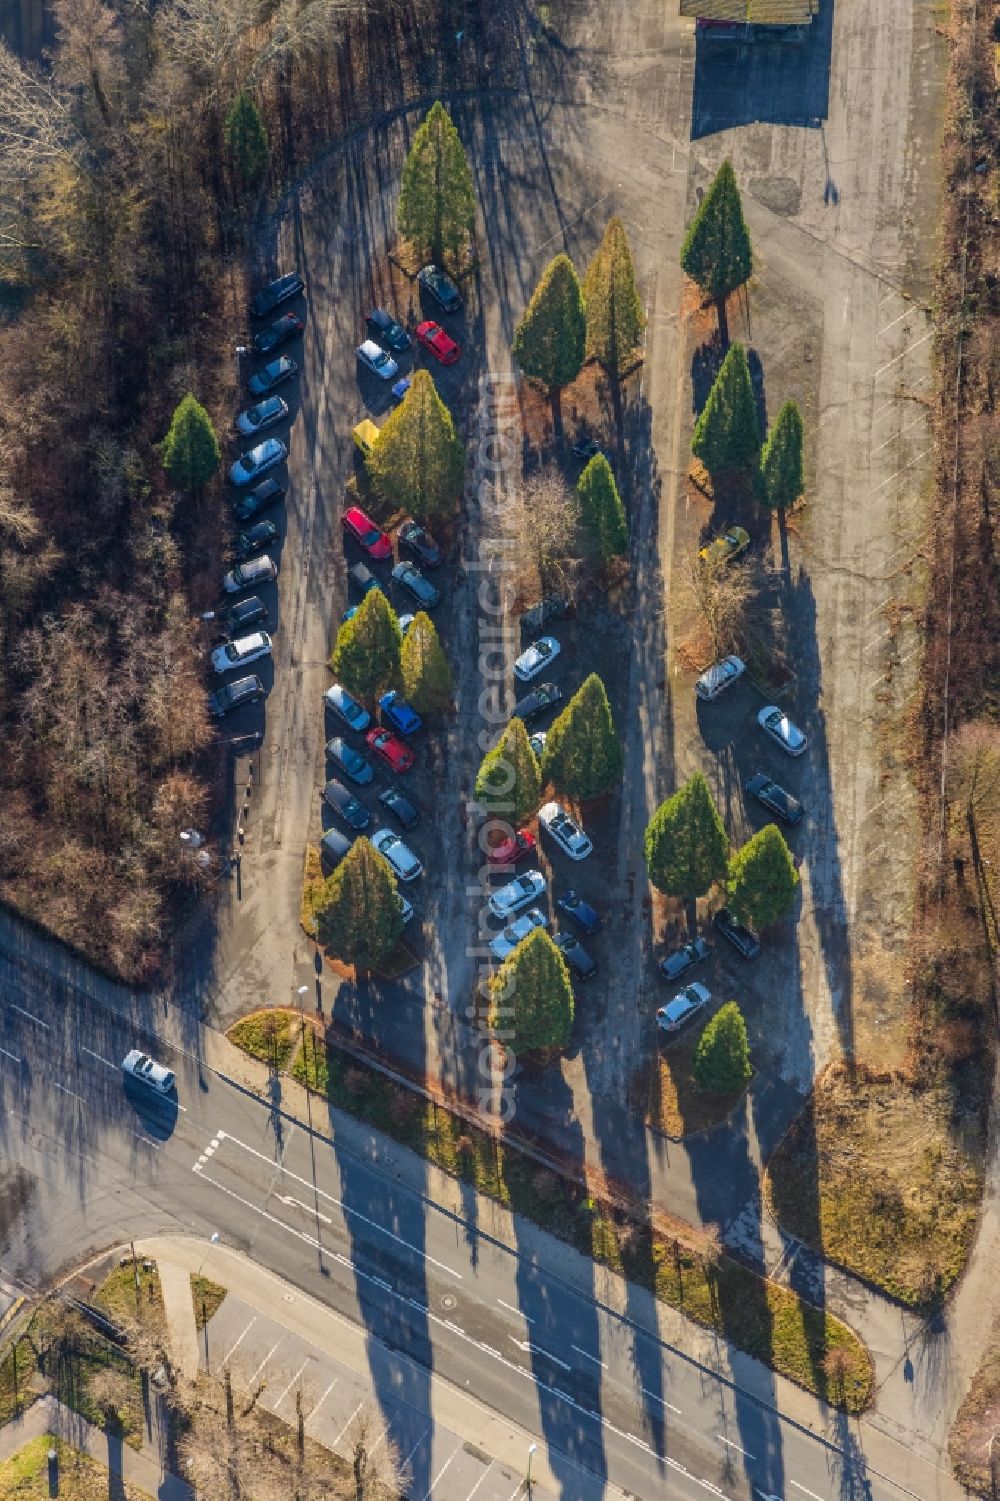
{"points": [[213, 1241], [532, 1449]]}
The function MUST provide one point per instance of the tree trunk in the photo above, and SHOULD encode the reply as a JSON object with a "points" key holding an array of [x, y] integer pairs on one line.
{"points": [[691, 914], [555, 397], [720, 303]]}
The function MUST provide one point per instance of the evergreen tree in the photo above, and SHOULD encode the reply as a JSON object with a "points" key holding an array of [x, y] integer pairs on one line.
{"points": [[716, 252], [366, 657], [190, 451], [601, 511], [762, 879], [418, 462], [427, 678], [246, 139], [583, 755], [531, 998], [686, 845], [550, 340], [508, 782], [615, 318], [781, 460], [437, 201], [722, 1057], [726, 435], [358, 914]]}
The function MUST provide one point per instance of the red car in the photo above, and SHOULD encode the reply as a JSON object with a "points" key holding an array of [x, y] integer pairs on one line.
{"points": [[433, 337], [360, 526], [389, 746], [516, 847]]}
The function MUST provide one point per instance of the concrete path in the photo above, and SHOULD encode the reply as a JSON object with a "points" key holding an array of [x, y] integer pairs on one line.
{"points": [[139, 1468], [175, 1286]]}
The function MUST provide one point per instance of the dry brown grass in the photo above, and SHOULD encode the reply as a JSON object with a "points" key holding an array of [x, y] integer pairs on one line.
{"points": [[675, 1104]]}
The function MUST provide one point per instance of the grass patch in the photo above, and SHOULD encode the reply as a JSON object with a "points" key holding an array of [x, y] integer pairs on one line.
{"points": [[313, 881], [17, 1367], [87, 1372], [207, 1296], [676, 1104], [25, 1476], [875, 1175], [117, 1294], [766, 1320], [266, 1035]]}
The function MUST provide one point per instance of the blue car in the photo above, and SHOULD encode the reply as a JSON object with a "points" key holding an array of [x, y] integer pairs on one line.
{"points": [[581, 911], [401, 387], [399, 714]]}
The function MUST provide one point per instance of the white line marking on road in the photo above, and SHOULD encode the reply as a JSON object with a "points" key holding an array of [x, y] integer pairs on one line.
{"points": [[895, 475], [531, 1349], [149, 1142], [885, 330], [227, 1358], [885, 633], [294, 1203], [322, 1399], [730, 1445], [406, 1462], [804, 1491], [12, 1056], [73, 1092], [98, 1056], [908, 350], [511, 1309], [662, 1401], [291, 1383], [911, 653], [479, 1481], [516, 1491], [447, 1462], [347, 1425], [560, 233], [263, 1363], [21, 1012], [587, 1356], [902, 430]]}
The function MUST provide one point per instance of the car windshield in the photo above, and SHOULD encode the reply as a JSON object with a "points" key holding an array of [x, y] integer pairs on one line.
{"points": [[371, 537], [380, 359], [351, 757]]}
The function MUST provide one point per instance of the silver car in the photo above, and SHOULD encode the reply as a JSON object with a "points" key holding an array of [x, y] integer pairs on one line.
{"points": [[346, 708], [241, 652], [676, 1013], [139, 1065], [565, 830], [517, 894], [718, 678], [504, 944], [248, 575], [776, 723], [399, 855], [377, 360], [535, 658]]}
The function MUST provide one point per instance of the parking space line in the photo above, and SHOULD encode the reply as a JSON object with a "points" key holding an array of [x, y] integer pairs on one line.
{"points": [[662, 1401], [479, 1481], [99, 1057], [347, 1425], [264, 1362], [438, 1476], [587, 1356], [12, 1056], [908, 350], [516, 1491], [804, 1491], [511, 1309], [36, 1019], [227, 1358], [291, 1383], [885, 330], [416, 1446], [730, 1445], [148, 1140], [322, 1399], [73, 1092], [895, 475], [902, 430]]}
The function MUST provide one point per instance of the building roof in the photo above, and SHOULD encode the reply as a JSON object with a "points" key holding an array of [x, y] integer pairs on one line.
{"points": [[753, 12]]}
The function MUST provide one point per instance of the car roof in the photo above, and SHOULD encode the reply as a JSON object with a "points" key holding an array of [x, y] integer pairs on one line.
{"points": [[335, 842], [371, 348]]}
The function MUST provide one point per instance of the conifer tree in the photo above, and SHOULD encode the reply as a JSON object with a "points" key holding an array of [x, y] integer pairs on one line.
{"points": [[716, 252], [781, 460], [763, 879], [246, 139], [418, 461], [190, 451], [531, 997], [615, 318], [428, 682], [366, 656], [583, 755], [726, 435], [508, 783], [602, 514], [550, 340], [437, 200], [358, 914]]}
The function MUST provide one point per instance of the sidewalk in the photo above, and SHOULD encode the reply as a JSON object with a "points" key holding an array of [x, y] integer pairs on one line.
{"points": [[140, 1468]]}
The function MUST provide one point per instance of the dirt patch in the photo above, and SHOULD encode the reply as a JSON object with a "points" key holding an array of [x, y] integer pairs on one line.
{"points": [[675, 1103], [971, 1438]]}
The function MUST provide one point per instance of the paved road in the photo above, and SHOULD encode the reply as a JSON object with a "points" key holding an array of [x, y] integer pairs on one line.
{"points": [[602, 1390]]}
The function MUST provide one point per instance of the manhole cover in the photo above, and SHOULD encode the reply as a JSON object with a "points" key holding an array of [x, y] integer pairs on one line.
{"points": [[448, 1301]]}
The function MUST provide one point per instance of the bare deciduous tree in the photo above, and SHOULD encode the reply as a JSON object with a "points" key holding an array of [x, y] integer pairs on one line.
{"points": [[89, 52], [541, 519], [973, 775], [375, 1463], [723, 595]]}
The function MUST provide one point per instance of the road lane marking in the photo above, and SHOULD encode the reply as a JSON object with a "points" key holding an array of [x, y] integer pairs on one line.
{"points": [[804, 1491], [73, 1092], [322, 1399], [12, 1056], [437, 1477], [908, 350], [227, 1358], [662, 1401], [730, 1445], [885, 330], [291, 1383], [98, 1056], [587, 1356], [528, 1348], [263, 1363], [21, 1012], [511, 1309], [347, 1425], [292, 1203]]}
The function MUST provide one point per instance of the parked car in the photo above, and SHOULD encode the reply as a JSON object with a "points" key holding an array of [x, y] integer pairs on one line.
{"points": [[248, 575], [365, 437], [256, 463], [405, 621], [438, 285], [565, 830], [272, 375], [719, 677], [343, 802], [255, 539], [416, 539], [359, 525], [285, 328], [241, 615], [333, 846], [375, 359], [576, 956], [536, 657], [349, 760], [401, 387], [582, 912], [432, 337], [389, 746], [241, 652], [552, 607], [517, 894], [383, 326], [230, 696], [537, 742], [400, 806], [676, 1013], [589, 448], [423, 591], [362, 578], [774, 798], [139, 1065], [513, 848], [346, 708], [681, 960], [399, 713], [504, 944], [743, 938], [776, 723], [405, 908], [265, 414], [282, 289], [267, 493], [725, 547], [544, 697], [399, 855]]}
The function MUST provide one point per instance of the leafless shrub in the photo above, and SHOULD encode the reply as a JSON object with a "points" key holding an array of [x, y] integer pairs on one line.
{"points": [[723, 595], [542, 519], [378, 1472]]}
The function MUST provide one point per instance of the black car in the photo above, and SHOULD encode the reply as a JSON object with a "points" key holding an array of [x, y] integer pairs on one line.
{"points": [[423, 591], [683, 959], [582, 912], [283, 289], [351, 809], [743, 939], [262, 534], [552, 607], [245, 613], [280, 332], [415, 539], [576, 955], [267, 493], [589, 448], [384, 329], [440, 288], [544, 697], [774, 798], [400, 806], [234, 695], [332, 848]]}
